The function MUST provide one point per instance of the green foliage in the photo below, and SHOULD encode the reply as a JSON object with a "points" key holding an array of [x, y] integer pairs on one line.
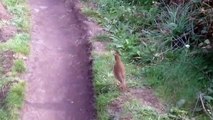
{"points": [[173, 26], [20, 11], [141, 2], [13, 102], [16, 96], [175, 19], [125, 23], [180, 78], [14, 92], [18, 44], [168, 40], [103, 37], [19, 66]]}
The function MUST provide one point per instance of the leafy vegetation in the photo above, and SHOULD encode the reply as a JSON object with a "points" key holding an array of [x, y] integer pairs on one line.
{"points": [[12, 88], [13, 102], [173, 43], [20, 12], [19, 66]]}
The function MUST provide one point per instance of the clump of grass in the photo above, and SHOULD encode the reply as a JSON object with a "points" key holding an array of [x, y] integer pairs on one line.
{"points": [[14, 100], [18, 44], [19, 66], [103, 38], [20, 11], [181, 78], [3, 114], [91, 13], [134, 76], [16, 95]]}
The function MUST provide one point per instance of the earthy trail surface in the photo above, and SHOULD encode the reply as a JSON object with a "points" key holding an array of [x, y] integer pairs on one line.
{"points": [[59, 86]]}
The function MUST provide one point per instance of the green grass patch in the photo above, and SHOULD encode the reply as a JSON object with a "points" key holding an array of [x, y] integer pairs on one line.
{"points": [[179, 79], [103, 38], [19, 66], [16, 95], [11, 106], [13, 102], [91, 13], [18, 44], [20, 11]]}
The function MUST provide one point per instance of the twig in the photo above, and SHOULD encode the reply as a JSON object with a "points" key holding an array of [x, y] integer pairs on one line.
{"points": [[201, 100]]}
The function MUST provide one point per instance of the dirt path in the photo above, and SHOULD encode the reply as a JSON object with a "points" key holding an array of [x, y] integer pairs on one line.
{"points": [[59, 85]]}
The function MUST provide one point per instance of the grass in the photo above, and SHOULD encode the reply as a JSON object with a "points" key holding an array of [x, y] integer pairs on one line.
{"points": [[19, 9], [140, 112], [103, 38], [19, 44], [13, 102], [183, 81], [147, 36], [19, 66]]}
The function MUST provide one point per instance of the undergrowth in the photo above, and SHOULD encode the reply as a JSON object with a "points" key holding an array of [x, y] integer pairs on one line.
{"points": [[19, 66], [12, 87], [18, 44], [178, 79], [13, 102], [171, 43]]}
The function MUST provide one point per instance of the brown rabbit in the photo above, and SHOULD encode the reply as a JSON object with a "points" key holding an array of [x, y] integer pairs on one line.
{"points": [[119, 71]]}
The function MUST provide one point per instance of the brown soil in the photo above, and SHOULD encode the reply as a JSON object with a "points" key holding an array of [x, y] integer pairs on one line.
{"points": [[59, 75], [6, 31], [146, 98], [6, 61], [93, 31], [4, 15]]}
